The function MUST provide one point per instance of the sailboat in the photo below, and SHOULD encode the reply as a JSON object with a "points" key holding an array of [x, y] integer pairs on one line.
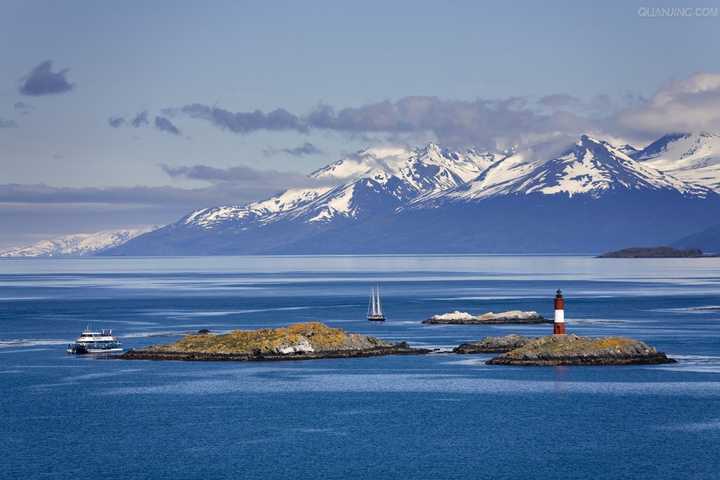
{"points": [[375, 313]]}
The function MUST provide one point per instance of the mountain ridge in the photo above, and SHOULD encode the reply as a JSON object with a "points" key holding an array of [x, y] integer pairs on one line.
{"points": [[78, 244], [430, 199]]}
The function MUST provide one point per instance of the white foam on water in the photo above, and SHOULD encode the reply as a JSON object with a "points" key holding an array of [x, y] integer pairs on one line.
{"points": [[475, 360], [596, 321], [31, 342], [25, 350], [700, 309], [134, 322], [413, 383], [21, 299], [693, 363], [713, 424], [161, 333], [220, 313], [95, 376]]}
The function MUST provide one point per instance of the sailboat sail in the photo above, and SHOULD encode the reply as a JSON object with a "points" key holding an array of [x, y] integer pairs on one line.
{"points": [[374, 306]]}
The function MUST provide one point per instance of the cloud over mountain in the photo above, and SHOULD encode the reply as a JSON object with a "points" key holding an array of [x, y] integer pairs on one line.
{"points": [[691, 104], [165, 125], [453, 122], [246, 122], [688, 105], [306, 148], [253, 182], [43, 81], [140, 119]]}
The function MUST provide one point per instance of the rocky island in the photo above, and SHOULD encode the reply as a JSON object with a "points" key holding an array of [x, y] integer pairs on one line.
{"points": [[493, 344], [654, 252], [490, 318], [574, 350], [300, 341]]}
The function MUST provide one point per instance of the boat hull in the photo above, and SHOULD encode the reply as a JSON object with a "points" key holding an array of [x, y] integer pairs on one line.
{"points": [[376, 318], [80, 350]]}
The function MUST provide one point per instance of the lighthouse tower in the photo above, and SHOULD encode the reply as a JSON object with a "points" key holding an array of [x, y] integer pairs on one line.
{"points": [[559, 323]]}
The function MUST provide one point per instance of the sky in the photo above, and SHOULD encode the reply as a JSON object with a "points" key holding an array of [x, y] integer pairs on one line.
{"points": [[134, 113]]}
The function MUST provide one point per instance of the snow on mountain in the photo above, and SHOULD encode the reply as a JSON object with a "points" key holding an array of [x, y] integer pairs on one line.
{"points": [[259, 212], [590, 168], [692, 157], [80, 244], [395, 200], [629, 150], [375, 178]]}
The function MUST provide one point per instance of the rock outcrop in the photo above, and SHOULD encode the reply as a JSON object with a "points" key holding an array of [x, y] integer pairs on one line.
{"points": [[575, 350], [493, 344], [490, 318], [654, 252], [301, 341]]}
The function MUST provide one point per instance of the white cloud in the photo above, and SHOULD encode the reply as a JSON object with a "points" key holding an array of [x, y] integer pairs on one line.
{"points": [[688, 105]]}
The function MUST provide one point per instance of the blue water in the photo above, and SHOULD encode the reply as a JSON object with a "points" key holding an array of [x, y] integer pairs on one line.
{"points": [[437, 416]]}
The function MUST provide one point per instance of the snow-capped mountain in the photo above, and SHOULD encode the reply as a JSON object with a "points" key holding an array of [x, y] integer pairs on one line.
{"points": [[629, 150], [693, 157], [355, 186], [589, 168], [592, 196], [80, 244]]}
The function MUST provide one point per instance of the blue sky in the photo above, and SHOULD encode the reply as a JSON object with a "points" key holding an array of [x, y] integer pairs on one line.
{"points": [[129, 57]]}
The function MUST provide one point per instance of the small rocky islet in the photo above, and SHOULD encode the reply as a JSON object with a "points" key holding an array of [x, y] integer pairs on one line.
{"points": [[493, 345], [655, 252], [315, 340], [300, 341], [556, 350], [490, 318]]}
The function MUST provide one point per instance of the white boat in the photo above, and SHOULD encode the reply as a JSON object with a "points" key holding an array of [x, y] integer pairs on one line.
{"points": [[91, 341], [375, 313]]}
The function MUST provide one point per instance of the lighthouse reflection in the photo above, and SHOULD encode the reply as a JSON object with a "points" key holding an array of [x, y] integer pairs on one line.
{"points": [[560, 378]]}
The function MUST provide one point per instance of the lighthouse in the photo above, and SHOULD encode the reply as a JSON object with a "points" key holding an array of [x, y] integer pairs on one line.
{"points": [[559, 323]]}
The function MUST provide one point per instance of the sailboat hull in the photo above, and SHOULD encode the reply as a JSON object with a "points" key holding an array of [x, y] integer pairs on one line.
{"points": [[376, 318]]}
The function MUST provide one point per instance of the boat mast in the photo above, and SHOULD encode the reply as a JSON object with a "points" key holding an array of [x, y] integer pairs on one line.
{"points": [[371, 305], [379, 309]]}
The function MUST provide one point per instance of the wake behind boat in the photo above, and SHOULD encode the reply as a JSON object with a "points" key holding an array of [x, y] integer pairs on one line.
{"points": [[375, 313], [95, 342]]}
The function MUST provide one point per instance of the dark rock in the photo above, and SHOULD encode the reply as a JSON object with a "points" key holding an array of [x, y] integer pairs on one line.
{"points": [[493, 344], [653, 252], [401, 348], [203, 331]]}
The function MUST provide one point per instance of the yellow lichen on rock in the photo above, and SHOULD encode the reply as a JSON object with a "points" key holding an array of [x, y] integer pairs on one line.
{"points": [[299, 337], [575, 350]]}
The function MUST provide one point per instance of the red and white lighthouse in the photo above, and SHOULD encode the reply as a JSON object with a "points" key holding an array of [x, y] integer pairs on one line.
{"points": [[559, 323]]}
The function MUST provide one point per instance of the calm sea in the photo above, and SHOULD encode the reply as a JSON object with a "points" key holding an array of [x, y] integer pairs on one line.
{"points": [[440, 416]]}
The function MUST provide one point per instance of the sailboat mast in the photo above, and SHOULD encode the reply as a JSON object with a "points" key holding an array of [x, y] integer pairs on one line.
{"points": [[371, 304]]}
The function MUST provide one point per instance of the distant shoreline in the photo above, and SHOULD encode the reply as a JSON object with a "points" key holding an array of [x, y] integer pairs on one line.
{"points": [[656, 252]]}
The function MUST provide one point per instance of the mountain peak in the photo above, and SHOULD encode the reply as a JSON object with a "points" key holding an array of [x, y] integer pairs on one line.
{"points": [[590, 167], [692, 157]]}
